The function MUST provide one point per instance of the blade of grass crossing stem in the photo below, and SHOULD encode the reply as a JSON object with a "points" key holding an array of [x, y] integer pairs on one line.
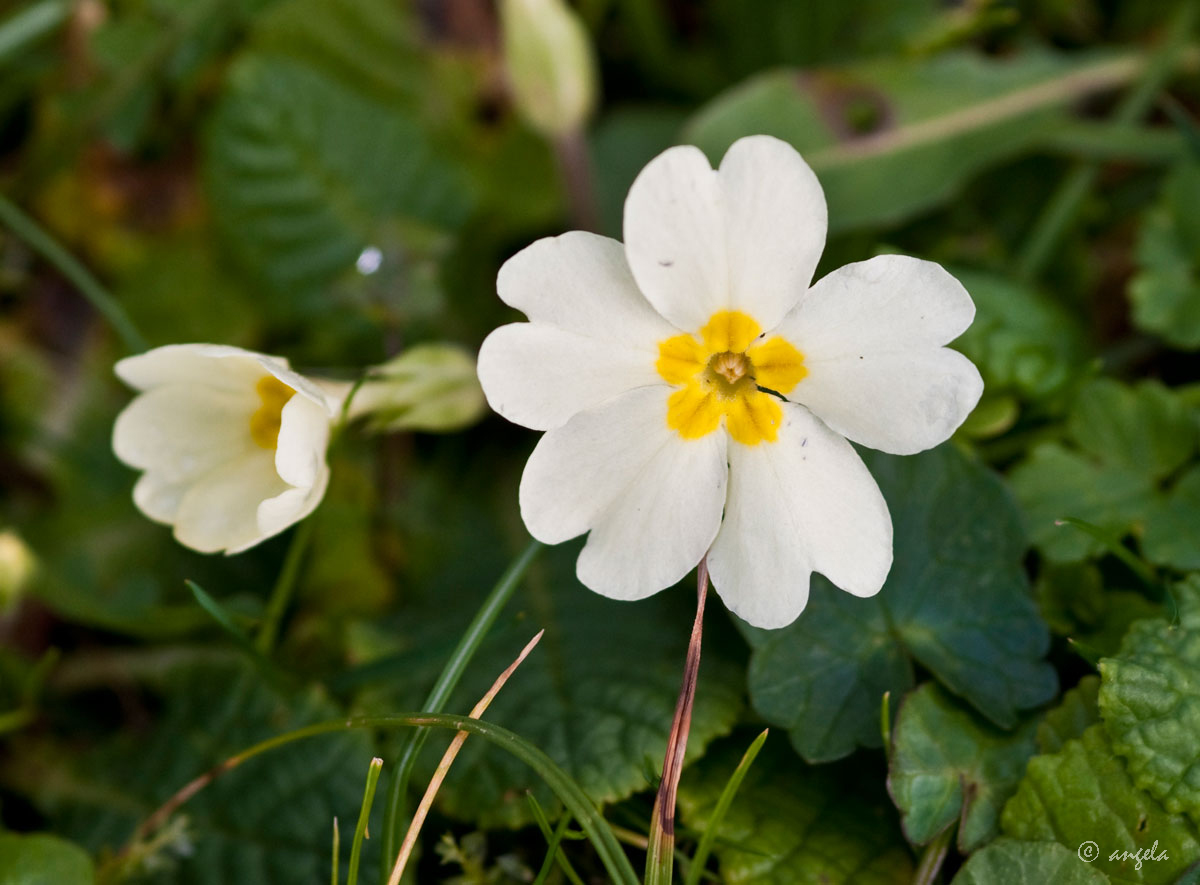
{"points": [[1114, 546], [285, 586], [440, 694], [660, 855], [364, 815], [337, 855], [435, 783], [576, 801], [553, 853], [553, 838], [709, 838]]}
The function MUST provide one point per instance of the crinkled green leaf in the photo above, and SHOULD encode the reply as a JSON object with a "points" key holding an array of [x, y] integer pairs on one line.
{"points": [[1075, 714], [957, 602], [1076, 604], [41, 859], [1166, 291], [1150, 702], [793, 824], [598, 694], [304, 172], [947, 765], [265, 821], [1082, 793], [1022, 340], [1009, 862], [1170, 533], [891, 137], [1126, 440]]}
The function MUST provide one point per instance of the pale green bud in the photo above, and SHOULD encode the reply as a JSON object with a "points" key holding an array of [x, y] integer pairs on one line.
{"points": [[430, 387], [17, 565], [551, 65]]}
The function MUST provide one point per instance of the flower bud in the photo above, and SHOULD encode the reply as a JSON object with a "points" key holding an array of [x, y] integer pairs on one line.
{"points": [[17, 565], [551, 66], [430, 387]]}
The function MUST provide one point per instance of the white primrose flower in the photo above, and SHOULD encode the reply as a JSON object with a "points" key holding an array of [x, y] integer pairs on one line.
{"points": [[232, 443], [697, 394]]}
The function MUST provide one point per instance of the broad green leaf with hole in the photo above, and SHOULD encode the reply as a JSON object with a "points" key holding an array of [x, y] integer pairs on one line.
{"points": [[957, 603], [1150, 703], [947, 765], [1082, 793], [893, 137], [1010, 862], [794, 824], [1075, 714], [597, 694], [304, 172], [1123, 442], [1166, 290], [1022, 340], [265, 821], [42, 859]]}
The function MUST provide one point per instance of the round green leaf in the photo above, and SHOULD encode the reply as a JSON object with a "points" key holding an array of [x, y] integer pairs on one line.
{"points": [[957, 602], [946, 764], [1009, 862], [1082, 794], [42, 859], [792, 824], [1150, 701]]}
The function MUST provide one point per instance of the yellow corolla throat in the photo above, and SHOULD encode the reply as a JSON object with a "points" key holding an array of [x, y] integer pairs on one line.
{"points": [[273, 395], [720, 374]]}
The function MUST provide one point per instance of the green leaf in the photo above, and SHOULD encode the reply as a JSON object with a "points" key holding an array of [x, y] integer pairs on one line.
{"points": [[598, 694], [1075, 714], [43, 860], [1166, 290], [270, 815], [1126, 441], [956, 602], [1150, 702], [946, 765], [304, 172], [1009, 862], [892, 137], [793, 824], [1169, 538], [1021, 339], [1082, 793]]}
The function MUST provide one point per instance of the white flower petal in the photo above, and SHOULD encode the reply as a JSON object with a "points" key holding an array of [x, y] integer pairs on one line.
{"points": [[213, 365], [776, 220], [652, 500], [538, 376], [181, 431], [158, 497], [889, 303], [675, 237], [902, 403], [804, 503], [327, 400], [581, 282], [276, 514], [303, 438], [220, 510], [871, 335]]}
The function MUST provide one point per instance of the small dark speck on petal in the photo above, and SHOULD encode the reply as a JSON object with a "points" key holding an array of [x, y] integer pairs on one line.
{"points": [[665, 263], [860, 357], [804, 442]]}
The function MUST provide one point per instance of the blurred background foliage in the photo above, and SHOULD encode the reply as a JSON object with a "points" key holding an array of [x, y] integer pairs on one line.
{"points": [[339, 181]]}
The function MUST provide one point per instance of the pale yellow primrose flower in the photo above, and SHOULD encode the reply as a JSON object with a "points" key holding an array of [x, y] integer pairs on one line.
{"points": [[698, 394], [232, 443]]}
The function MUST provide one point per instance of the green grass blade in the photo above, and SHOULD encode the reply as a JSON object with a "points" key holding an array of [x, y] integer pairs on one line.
{"points": [[700, 858], [364, 815]]}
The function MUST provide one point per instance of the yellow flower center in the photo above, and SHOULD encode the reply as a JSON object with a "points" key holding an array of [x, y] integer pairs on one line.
{"points": [[721, 376], [273, 395]]}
